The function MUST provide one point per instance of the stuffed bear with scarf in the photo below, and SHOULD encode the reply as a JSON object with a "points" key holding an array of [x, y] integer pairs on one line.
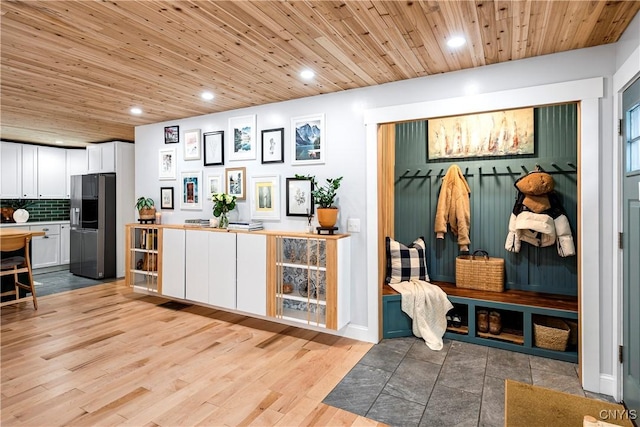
{"points": [[538, 217]]}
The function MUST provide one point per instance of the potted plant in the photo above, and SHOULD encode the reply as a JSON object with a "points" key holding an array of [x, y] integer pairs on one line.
{"points": [[146, 208], [324, 197]]}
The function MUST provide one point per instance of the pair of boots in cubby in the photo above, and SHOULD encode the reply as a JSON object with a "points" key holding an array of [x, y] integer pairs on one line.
{"points": [[489, 322]]}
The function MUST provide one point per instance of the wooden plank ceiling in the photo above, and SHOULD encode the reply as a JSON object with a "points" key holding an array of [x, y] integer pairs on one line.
{"points": [[71, 70]]}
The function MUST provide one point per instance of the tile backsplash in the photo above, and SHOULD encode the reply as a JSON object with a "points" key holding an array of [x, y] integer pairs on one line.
{"points": [[44, 210]]}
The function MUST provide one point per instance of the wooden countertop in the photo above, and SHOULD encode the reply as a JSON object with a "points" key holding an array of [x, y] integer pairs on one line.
{"points": [[6, 232]]}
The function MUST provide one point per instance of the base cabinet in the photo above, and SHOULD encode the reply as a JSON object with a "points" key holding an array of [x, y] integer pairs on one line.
{"points": [[293, 277], [46, 249], [172, 282], [251, 288], [309, 280], [210, 275]]}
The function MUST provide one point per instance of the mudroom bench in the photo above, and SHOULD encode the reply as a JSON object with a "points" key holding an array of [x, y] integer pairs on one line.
{"points": [[519, 310]]}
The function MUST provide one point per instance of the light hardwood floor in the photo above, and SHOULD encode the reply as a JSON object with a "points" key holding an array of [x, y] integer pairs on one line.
{"points": [[107, 356]]}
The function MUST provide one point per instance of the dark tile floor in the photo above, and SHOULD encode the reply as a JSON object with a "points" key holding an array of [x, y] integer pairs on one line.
{"points": [[62, 281], [401, 382]]}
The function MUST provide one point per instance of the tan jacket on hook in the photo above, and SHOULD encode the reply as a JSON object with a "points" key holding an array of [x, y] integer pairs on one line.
{"points": [[453, 207]]}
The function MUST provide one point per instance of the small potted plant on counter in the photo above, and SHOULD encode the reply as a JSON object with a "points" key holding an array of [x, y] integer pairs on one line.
{"points": [[146, 208], [324, 197]]}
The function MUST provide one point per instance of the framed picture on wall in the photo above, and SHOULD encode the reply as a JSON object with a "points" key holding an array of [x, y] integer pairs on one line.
{"points": [[273, 146], [308, 140], [242, 133], [265, 197], [166, 198], [299, 199], [215, 185], [171, 134], [192, 144], [498, 133], [167, 164], [191, 190], [235, 182], [214, 148]]}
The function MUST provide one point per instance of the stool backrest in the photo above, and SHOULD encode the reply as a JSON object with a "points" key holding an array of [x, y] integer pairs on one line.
{"points": [[14, 242]]}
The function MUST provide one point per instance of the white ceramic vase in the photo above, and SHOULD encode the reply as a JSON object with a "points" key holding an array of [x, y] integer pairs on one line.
{"points": [[20, 215]]}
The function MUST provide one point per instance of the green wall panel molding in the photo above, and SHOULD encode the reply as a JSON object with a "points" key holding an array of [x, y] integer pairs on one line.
{"points": [[491, 180]]}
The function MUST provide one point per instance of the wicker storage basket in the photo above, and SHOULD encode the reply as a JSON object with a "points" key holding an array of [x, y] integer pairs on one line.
{"points": [[551, 333], [480, 271]]}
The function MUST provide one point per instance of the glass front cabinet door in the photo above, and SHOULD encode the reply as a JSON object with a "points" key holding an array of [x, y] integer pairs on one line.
{"points": [[309, 280]]}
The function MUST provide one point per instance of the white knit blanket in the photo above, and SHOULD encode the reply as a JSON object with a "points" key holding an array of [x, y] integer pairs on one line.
{"points": [[427, 305]]}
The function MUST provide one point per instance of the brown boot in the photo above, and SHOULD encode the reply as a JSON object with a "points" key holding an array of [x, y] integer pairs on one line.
{"points": [[495, 323], [483, 321]]}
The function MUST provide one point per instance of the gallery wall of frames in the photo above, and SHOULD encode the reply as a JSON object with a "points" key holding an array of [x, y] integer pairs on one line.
{"points": [[194, 163]]}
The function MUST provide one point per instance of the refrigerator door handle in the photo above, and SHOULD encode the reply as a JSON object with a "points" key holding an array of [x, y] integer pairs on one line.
{"points": [[74, 216]]}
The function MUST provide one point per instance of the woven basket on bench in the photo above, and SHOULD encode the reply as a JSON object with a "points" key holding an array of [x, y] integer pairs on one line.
{"points": [[551, 333], [482, 272]]}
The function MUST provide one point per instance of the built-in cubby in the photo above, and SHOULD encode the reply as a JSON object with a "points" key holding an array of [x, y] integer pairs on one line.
{"points": [[538, 280], [518, 311]]}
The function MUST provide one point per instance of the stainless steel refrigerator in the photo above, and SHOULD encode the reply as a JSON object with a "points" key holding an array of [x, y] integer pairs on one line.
{"points": [[93, 225]]}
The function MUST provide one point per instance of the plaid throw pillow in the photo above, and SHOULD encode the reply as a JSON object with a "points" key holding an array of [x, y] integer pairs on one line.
{"points": [[406, 262]]}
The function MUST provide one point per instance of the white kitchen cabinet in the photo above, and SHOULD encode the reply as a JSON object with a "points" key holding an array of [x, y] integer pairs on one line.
{"points": [[210, 268], [52, 173], [29, 171], [172, 282], [222, 269], [197, 260], [252, 273], [101, 158], [76, 165], [11, 171], [45, 249], [65, 244]]}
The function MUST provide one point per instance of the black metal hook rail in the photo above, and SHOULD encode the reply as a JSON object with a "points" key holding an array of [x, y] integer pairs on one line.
{"points": [[552, 168]]}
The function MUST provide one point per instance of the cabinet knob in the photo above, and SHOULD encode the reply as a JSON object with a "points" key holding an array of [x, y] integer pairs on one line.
{"points": [[45, 237], [45, 229]]}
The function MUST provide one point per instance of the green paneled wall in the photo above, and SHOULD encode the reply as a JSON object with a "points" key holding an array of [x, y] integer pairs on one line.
{"points": [[418, 181]]}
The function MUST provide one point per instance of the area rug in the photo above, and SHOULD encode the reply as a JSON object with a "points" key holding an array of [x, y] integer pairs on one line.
{"points": [[529, 405]]}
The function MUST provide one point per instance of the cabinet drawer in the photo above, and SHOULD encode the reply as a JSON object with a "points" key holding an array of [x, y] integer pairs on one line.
{"points": [[50, 229]]}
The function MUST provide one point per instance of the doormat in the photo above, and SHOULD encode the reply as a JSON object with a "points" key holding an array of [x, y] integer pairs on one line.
{"points": [[174, 305], [529, 405]]}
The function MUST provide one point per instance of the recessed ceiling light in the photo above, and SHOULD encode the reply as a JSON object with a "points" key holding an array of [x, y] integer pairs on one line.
{"points": [[135, 110], [60, 142], [307, 74], [456, 41], [207, 96]]}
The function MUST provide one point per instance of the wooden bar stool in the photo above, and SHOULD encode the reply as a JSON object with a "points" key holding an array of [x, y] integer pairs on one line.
{"points": [[13, 265]]}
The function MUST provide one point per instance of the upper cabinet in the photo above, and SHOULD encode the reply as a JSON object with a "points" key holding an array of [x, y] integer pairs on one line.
{"points": [[29, 172], [101, 158], [52, 173], [19, 171], [11, 170], [76, 165]]}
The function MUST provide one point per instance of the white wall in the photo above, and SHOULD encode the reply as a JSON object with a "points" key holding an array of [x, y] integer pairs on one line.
{"points": [[348, 155]]}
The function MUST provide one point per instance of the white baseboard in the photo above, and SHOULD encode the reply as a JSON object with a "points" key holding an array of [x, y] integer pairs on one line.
{"points": [[361, 333], [608, 386]]}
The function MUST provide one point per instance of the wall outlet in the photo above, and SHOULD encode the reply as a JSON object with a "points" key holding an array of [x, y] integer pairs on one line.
{"points": [[353, 225]]}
